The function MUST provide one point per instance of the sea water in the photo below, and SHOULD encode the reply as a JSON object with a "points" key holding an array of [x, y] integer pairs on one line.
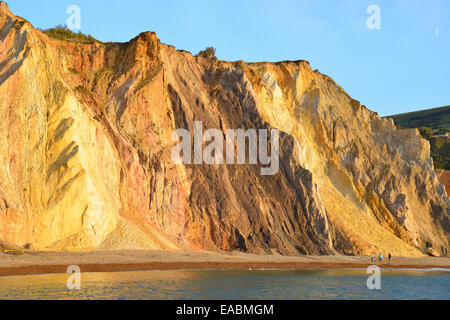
{"points": [[232, 285]]}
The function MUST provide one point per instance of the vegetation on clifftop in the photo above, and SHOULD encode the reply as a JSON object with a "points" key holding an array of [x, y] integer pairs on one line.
{"points": [[433, 118], [63, 33], [209, 52], [440, 152]]}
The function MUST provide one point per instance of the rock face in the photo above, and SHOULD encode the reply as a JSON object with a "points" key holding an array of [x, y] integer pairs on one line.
{"points": [[444, 178], [85, 155]]}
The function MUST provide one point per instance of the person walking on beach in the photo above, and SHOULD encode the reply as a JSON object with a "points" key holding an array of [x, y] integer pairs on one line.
{"points": [[371, 258], [390, 257], [380, 257]]}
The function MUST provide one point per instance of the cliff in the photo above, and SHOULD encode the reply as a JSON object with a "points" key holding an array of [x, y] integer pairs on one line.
{"points": [[85, 155], [436, 122]]}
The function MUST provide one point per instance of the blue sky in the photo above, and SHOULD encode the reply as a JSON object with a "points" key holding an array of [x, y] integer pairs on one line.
{"points": [[402, 67]]}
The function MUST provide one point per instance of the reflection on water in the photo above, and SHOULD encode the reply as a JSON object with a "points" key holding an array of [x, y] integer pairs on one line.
{"points": [[327, 284]]}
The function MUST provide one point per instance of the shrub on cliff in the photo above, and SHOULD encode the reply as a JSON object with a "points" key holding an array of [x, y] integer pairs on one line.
{"points": [[209, 52], [426, 132], [63, 33]]}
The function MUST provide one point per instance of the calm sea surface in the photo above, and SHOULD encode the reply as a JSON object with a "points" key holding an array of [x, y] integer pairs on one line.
{"points": [[327, 284]]}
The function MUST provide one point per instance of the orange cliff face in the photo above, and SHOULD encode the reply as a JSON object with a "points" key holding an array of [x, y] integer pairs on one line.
{"points": [[86, 155], [444, 178]]}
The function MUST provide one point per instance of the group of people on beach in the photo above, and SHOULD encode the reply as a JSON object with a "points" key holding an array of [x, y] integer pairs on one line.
{"points": [[380, 257]]}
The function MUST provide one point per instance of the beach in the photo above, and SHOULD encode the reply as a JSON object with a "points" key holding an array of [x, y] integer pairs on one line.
{"points": [[33, 263]]}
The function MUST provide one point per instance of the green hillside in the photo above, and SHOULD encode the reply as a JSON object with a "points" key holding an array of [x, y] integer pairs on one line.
{"points": [[433, 118], [432, 123], [440, 152]]}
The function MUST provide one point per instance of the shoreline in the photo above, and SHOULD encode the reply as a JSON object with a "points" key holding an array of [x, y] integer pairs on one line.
{"points": [[158, 266], [134, 260]]}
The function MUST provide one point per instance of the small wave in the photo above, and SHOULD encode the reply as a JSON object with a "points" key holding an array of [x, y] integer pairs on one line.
{"points": [[418, 269]]}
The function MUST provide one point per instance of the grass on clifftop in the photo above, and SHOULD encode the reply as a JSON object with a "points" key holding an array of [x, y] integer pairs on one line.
{"points": [[63, 33], [434, 118]]}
